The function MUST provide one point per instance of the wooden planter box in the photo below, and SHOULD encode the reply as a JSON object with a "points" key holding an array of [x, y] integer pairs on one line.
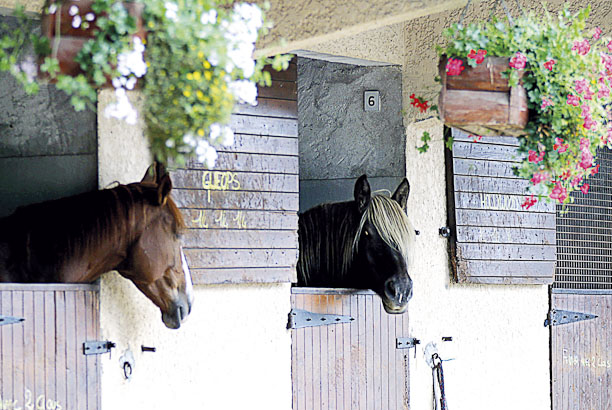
{"points": [[71, 39], [479, 100]]}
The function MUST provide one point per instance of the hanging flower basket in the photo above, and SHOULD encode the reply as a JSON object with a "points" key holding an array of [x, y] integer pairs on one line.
{"points": [[70, 24], [480, 101]]}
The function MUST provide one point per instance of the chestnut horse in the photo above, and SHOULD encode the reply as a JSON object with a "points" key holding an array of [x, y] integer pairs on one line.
{"points": [[134, 229]]}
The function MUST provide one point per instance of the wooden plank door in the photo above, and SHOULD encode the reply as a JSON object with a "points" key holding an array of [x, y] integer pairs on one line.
{"points": [[351, 365], [42, 365], [582, 352]]}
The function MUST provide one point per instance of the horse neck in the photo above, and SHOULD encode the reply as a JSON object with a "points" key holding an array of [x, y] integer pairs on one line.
{"points": [[326, 235], [113, 246]]}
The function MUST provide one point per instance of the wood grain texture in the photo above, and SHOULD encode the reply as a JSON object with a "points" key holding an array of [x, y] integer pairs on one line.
{"points": [[496, 240], [352, 365], [42, 358], [242, 215]]}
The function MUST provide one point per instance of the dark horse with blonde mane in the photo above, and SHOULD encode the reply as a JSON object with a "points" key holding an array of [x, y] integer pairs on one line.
{"points": [[134, 229], [361, 244]]}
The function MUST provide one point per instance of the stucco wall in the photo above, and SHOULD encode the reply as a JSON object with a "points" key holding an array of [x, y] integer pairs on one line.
{"points": [[232, 353]]}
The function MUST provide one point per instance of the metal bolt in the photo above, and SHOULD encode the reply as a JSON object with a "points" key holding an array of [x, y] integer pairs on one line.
{"points": [[445, 231]]}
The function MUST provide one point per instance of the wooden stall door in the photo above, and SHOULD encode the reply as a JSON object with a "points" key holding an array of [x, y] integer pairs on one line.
{"points": [[582, 352], [353, 365], [42, 365]]}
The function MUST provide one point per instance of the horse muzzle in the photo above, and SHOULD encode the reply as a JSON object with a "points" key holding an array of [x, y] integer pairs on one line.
{"points": [[397, 293], [178, 312]]}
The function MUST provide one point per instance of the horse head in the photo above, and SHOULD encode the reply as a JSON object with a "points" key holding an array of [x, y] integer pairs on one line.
{"points": [[382, 243], [155, 261]]}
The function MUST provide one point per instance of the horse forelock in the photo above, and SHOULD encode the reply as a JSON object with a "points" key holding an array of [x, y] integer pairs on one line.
{"points": [[391, 222]]}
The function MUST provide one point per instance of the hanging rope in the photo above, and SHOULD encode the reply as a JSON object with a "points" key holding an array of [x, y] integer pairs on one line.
{"points": [[438, 383]]}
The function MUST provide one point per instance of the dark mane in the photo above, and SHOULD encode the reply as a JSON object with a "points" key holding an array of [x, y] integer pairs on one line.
{"points": [[326, 235], [43, 236]]}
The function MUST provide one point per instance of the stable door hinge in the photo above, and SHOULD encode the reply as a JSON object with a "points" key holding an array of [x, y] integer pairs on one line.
{"points": [[561, 317], [97, 347], [299, 318], [10, 320]]}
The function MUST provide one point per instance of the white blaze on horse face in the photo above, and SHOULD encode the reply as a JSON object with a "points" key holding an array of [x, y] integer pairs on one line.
{"points": [[188, 282]]}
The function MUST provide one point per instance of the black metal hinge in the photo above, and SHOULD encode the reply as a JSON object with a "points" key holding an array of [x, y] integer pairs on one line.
{"points": [[10, 320], [299, 318], [97, 347], [561, 317]]}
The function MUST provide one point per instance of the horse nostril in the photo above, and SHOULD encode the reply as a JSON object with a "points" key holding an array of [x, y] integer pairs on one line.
{"points": [[390, 289]]}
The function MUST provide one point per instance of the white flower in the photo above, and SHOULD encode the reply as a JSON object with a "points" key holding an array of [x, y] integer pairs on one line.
{"points": [[132, 62], [130, 83], [29, 68], [244, 91], [190, 140], [241, 33], [73, 10], [206, 154], [76, 21], [90, 17], [227, 137], [171, 10], [170, 143], [209, 18], [221, 134], [52, 8], [121, 109]]}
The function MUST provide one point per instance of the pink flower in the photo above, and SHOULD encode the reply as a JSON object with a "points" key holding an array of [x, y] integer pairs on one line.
{"points": [[597, 33], [589, 123], [529, 202], [534, 157], [478, 56], [475, 138], [582, 47], [581, 85], [610, 46], [454, 66], [559, 193], [560, 146], [545, 103], [585, 188], [518, 61], [586, 161], [576, 181], [566, 175], [586, 112], [573, 100], [588, 94], [538, 177], [549, 64], [595, 170], [585, 143], [606, 60], [603, 92]]}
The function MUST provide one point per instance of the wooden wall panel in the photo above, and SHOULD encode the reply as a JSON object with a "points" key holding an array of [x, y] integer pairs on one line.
{"points": [[242, 215], [494, 239], [352, 365], [42, 365]]}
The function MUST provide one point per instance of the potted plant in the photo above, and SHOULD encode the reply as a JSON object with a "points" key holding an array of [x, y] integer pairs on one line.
{"points": [[566, 73], [192, 59]]}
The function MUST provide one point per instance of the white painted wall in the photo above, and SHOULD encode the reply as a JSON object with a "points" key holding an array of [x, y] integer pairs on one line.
{"points": [[234, 351], [500, 345]]}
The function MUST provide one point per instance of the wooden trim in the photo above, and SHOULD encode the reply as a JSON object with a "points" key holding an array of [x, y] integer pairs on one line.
{"points": [[51, 287], [330, 291]]}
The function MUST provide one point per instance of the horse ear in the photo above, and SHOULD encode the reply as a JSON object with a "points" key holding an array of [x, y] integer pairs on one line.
{"points": [[163, 189], [362, 193], [151, 175], [401, 193]]}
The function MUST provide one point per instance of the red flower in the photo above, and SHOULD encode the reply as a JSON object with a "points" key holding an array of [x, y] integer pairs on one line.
{"points": [[582, 47], [585, 188], [549, 64], [518, 61], [529, 202], [586, 160], [475, 138], [610, 46], [454, 66], [559, 193], [573, 100], [534, 157], [595, 170], [566, 175], [478, 56], [419, 103], [589, 123], [560, 146]]}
